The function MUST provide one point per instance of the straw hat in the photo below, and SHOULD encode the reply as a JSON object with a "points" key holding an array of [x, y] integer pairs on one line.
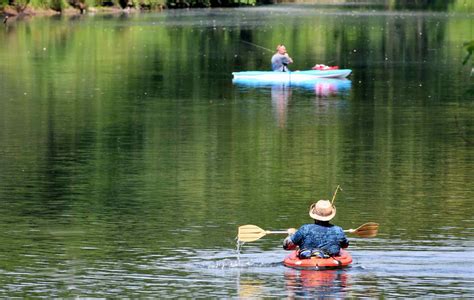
{"points": [[322, 210]]}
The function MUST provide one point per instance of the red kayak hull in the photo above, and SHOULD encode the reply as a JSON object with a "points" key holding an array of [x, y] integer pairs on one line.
{"points": [[342, 260]]}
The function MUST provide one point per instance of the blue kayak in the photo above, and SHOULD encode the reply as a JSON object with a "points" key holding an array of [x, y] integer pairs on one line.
{"points": [[290, 77], [321, 86]]}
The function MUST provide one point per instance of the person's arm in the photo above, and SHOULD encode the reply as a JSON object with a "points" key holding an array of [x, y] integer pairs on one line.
{"points": [[286, 59], [343, 241], [288, 244], [293, 239]]}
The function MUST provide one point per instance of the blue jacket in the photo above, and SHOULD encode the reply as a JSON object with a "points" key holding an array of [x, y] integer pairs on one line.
{"points": [[319, 236]]}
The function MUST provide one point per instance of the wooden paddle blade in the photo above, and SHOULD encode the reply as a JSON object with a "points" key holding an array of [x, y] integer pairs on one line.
{"points": [[250, 233], [368, 226], [367, 234], [367, 230]]}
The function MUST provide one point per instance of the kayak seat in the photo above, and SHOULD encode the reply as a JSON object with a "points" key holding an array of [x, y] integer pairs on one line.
{"points": [[307, 253]]}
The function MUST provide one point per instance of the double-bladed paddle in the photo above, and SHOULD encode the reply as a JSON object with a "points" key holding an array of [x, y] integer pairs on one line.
{"points": [[250, 233]]}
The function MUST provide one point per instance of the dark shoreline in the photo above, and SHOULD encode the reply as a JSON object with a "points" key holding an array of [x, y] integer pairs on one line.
{"points": [[10, 13]]}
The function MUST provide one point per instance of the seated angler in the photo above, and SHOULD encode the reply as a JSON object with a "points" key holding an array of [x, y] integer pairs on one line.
{"points": [[281, 59], [319, 239]]}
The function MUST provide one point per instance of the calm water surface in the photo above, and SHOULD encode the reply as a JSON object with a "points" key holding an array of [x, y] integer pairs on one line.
{"points": [[129, 158]]}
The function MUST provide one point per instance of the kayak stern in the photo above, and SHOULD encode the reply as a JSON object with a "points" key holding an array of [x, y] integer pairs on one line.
{"points": [[344, 259]]}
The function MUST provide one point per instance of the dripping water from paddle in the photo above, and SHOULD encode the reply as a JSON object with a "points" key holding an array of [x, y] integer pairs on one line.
{"points": [[239, 246]]}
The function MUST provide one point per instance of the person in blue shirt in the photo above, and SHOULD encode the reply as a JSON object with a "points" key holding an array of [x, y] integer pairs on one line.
{"points": [[281, 59], [319, 239]]}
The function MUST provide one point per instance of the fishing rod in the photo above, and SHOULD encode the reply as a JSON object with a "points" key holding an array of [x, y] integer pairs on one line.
{"points": [[255, 45], [258, 46]]}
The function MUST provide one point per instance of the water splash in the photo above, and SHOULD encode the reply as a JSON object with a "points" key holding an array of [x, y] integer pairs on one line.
{"points": [[239, 245]]}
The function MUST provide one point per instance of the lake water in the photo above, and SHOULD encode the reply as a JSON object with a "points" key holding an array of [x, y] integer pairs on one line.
{"points": [[129, 158]]}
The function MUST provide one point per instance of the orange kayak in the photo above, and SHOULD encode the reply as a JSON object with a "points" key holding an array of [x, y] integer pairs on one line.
{"points": [[342, 260]]}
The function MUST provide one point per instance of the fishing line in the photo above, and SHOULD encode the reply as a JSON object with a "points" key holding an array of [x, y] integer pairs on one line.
{"points": [[255, 45]]}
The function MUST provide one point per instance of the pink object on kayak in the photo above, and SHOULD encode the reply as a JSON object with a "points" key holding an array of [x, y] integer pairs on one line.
{"points": [[324, 67]]}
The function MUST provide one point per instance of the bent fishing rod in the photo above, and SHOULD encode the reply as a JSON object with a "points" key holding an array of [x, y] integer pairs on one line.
{"points": [[255, 45]]}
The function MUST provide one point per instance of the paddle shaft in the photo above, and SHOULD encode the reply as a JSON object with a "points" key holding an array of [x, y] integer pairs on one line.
{"points": [[283, 232], [276, 232], [286, 231]]}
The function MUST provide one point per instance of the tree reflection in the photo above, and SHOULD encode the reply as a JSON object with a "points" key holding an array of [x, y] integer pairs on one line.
{"points": [[469, 46]]}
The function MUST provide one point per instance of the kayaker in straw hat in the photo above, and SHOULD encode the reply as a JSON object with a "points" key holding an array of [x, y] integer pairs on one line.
{"points": [[281, 59], [319, 239]]}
